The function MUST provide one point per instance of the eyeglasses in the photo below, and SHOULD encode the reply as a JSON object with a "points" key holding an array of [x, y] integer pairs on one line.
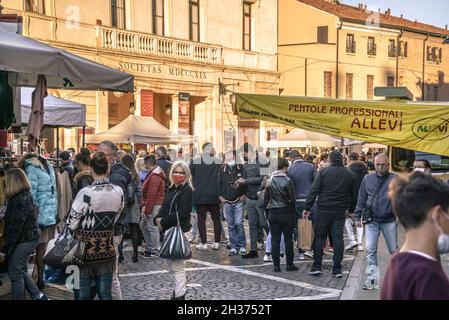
{"points": [[381, 164]]}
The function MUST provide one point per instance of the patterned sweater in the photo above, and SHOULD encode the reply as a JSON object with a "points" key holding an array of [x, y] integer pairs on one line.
{"points": [[94, 212]]}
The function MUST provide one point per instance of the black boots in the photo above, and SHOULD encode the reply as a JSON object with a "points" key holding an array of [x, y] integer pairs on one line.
{"points": [[251, 255], [183, 297]]}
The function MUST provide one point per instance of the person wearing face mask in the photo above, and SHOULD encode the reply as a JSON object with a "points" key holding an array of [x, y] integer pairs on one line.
{"points": [[231, 194], [422, 165], [421, 204], [378, 216]]}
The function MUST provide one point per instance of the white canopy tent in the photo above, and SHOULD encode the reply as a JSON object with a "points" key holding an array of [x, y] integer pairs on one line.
{"points": [[27, 58], [299, 138], [142, 130], [57, 112]]}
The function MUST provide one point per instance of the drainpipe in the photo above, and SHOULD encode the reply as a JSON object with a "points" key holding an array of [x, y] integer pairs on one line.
{"points": [[423, 67], [398, 51], [338, 42], [305, 76]]}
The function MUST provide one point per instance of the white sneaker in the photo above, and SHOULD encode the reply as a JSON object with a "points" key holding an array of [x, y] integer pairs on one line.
{"points": [[267, 258], [360, 247], [259, 246], [308, 254], [233, 252], [202, 247], [351, 246], [216, 245], [301, 256], [242, 251], [283, 260], [191, 238]]}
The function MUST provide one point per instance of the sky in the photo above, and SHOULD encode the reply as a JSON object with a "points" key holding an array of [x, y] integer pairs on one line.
{"points": [[435, 12]]}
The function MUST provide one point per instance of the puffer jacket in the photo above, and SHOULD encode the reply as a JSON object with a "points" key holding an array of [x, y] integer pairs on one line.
{"points": [[153, 190], [43, 189], [280, 192], [20, 221]]}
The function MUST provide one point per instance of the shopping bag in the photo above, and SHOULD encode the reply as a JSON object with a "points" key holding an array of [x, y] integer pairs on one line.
{"points": [[175, 245], [64, 251], [305, 233]]}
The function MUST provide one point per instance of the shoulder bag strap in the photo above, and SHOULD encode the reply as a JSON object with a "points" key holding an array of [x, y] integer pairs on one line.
{"points": [[176, 208], [375, 193]]}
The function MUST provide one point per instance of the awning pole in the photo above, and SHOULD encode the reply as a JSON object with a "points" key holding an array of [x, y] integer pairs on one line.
{"points": [[57, 142], [84, 136]]}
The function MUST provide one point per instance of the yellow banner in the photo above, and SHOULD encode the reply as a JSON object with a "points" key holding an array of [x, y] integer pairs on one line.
{"points": [[417, 126]]}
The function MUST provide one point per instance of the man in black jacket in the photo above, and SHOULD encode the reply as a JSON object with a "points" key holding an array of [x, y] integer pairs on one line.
{"points": [[119, 175], [231, 195], [164, 163], [336, 189], [360, 170], [204, 171], [252, 179]]}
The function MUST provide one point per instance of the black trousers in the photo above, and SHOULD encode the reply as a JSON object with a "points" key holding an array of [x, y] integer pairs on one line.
{"points": [[335, 221], [282, 220], [201, 211]]}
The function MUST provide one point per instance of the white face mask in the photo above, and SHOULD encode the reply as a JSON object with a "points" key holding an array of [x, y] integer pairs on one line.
{"points": [[443, 240]]}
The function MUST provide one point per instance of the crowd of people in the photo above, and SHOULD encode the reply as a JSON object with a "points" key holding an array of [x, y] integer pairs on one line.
{"points": [[117, 195]]}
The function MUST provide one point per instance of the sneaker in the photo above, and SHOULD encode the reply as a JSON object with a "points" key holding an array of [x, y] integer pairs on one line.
{"points": [[360, 247], [216, 245], [301, 256], [42, 296], [308, 254], [233, 252], [191, 238], [315, 271], [121, 258], [224, 240], [337, 273], [351, 246], [228, 246], [260, 246], [370, 284], [242, 251], [149, 254], [291, 268], [283, 259], [202, 247], [250, 255], [267, 258]]}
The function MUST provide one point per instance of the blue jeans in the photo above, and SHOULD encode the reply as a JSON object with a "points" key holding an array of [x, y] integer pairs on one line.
{"points": [[234, 218], [18, 273], [103, 286], [372, 232]]}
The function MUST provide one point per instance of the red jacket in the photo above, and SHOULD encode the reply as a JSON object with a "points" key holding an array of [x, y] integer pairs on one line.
{"points": [[153, 190]]}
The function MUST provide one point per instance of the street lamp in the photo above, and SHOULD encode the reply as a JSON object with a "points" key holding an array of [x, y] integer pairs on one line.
{"points": [[233, 99]]}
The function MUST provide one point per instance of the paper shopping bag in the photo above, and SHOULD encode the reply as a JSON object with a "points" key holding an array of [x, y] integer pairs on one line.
{"points": [[305, 234]]}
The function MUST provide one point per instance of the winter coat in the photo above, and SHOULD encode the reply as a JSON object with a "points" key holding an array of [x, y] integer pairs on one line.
{"points": [[302, 175], [253, 179], [381, 207], [132, 214], [166, 166], [204, 171], [182, 202], [226, 177], [153, 190], [120, 176], [20, 221], [43, 189], [360, 170], [336, 189], [82, 179]]}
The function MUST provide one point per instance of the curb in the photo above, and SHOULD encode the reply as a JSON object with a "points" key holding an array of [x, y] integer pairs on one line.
{"points": [[353, 282]]}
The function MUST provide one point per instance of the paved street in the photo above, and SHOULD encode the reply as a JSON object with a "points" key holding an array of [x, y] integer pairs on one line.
{"points": [[214, 275]]}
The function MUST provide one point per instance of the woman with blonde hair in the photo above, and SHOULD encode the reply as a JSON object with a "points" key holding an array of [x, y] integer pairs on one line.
{"points": [[177, 199], [22, 233]]}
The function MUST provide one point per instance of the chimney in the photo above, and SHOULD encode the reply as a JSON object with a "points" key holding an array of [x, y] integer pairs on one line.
{"points": [[416, 21], [360, 6], [364, 7], [446, 27], [402, 16]]}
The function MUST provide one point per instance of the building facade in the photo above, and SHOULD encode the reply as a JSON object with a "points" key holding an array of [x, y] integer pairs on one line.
{"points": [[339, 51], [179, 52]]}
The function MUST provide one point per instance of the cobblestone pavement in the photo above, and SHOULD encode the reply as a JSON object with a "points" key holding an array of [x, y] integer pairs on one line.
{"points": [[214, 275]]}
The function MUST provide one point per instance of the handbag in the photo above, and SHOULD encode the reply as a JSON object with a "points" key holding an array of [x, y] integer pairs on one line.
{"points": [[305, 233], [64, 251], [175, 245]]}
